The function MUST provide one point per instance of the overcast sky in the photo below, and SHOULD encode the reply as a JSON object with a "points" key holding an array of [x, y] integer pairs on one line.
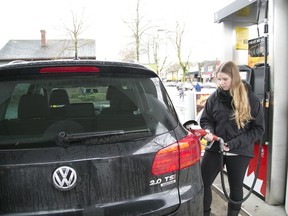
{"points": [[104, 21]]}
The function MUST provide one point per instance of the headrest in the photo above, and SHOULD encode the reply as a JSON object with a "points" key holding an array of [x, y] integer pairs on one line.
{"points": [[59, 97], [120, 102], [113, 92], [126, 104], [33, 106]]}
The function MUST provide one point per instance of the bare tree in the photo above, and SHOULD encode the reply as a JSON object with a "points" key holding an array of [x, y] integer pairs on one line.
{"points": [[127, 54], [155, 47], [75, 29], [174, 68], [184, 64], [147, 49], [159, 60], [138, 28]]}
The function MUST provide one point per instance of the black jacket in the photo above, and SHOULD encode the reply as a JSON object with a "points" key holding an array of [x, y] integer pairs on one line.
{"points": [[216, 117]]}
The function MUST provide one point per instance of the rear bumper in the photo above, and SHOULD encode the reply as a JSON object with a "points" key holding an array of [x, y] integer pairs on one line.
{"points": [[192, 207], [191, 192]]}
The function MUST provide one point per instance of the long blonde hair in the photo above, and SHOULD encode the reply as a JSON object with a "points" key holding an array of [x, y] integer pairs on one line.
{"points": [[240, 101]]}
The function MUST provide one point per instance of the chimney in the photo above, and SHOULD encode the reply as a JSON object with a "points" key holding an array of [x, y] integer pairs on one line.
{"points": [[43, 38]]}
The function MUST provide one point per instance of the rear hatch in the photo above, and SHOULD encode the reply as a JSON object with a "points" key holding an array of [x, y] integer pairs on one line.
{"points": [[119, 159], [114, 179]]}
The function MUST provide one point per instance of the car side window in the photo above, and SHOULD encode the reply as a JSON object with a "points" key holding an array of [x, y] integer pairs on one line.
{"points": [[12, 109]]}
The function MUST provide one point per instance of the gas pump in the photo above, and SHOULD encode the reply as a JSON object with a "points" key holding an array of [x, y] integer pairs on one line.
{"points": [[252, 15]]}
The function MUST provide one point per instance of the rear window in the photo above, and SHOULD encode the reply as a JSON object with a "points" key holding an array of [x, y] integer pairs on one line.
{"points": [[38, 109]]}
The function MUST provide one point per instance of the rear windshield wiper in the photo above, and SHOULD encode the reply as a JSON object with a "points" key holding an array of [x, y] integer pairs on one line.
{"points": [[102, 137], [24, 142]]}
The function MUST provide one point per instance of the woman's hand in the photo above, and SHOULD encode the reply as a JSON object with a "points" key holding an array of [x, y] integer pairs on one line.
{"points": [[209, 136], [226, 147]]}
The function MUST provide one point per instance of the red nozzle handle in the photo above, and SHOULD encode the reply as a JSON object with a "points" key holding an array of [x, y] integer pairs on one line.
{"points": [[215, 137], [202, 132]]}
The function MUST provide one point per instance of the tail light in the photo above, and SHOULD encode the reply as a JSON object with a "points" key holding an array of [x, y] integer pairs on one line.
{"points": [[177, 156]]}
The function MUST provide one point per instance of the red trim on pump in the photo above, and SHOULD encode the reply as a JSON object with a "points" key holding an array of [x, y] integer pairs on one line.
{"points": [[177, 156], [71, 69]]}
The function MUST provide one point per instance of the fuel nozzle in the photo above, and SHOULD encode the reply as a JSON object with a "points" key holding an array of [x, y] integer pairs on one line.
{"points": [[221, 145], [199, 132]]}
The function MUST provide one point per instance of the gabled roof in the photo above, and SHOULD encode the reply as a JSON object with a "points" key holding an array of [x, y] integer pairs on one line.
{"points": [[54, 49]]}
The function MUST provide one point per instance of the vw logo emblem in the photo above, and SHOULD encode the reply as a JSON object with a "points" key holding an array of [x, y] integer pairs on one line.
{"points": [[64, 178]]}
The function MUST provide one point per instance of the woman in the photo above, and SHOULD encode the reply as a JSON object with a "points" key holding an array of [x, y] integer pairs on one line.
{"points": [[234, 113]]}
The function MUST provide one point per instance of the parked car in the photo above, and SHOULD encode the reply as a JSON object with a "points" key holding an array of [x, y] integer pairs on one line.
{"points": [[93, 138]]}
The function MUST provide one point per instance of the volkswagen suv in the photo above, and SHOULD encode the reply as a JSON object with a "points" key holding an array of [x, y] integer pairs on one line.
{"points": [[93, 138]]}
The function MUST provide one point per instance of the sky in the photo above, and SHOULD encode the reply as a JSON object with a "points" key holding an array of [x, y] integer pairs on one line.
{"points": [[104, 21]]}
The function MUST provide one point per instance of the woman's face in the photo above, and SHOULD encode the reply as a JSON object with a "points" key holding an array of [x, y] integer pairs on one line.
{"points": [[224, 81]]}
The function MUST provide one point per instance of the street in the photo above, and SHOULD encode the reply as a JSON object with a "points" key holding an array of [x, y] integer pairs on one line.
{"points": [[185, 107]]}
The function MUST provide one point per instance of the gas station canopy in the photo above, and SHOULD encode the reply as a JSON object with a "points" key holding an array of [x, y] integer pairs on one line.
{"points": [[240, 11]]}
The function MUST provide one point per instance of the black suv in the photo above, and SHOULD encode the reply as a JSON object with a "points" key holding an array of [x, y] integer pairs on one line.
{"points": [[93, 138]]}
